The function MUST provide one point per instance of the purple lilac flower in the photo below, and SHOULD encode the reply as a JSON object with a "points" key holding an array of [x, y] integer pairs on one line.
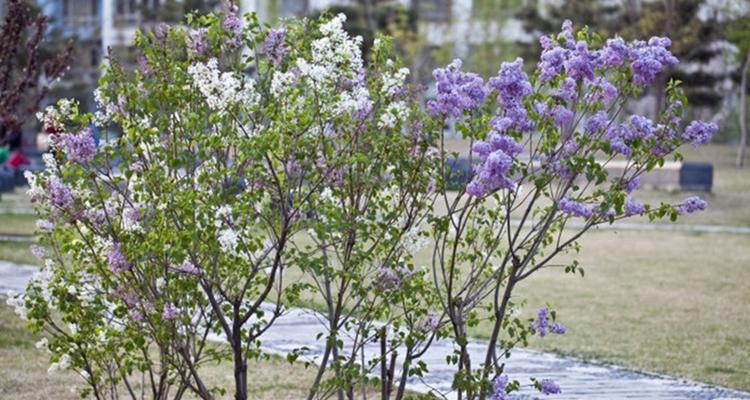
{"points": [[142, 65], [615, 135], [632, 185], [80, 147], [633, 207], [60, 195], [511, 82], [642, 127], [432, 321], [567, 90], [575, 208], [699, 132], [232, 24], [273, 46], [170, 312], [596, 123], [562, 115], [161, 30], [649, 59], [37, 251], [96, 217], [498, 387], [196, 41], [552, 62], [115, 260], [491, 174], [557, 328], [505, 143], [614, 53], [691, 205], [580, 65], [135, 315], [548, 386], [542, 325], [567, 32], [457, 91], [44, 225], [601, 90], [386, 278]]}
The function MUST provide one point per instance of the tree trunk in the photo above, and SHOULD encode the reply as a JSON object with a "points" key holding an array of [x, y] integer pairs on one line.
{"points": [[743, 113]]}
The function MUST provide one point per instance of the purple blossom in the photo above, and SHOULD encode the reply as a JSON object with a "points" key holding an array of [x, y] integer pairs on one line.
{"points": [[562, 115], [542, 324], [386, 278], [80, 147], [432, 321], [97, 218], [616, 135], [601, 90], [580, 65], [135, 315], [567, 33], [548, 386], [691, 205], [699, 132], [575, 208], [552, 62], [187, 268], [557, 328], [273, 46], [457, 91], [567, 90], [632, 185], [511, 82], [499, 385], [614, 53], [596, 123], [142, 65], [44, 225], [492, 173], [116, 260], [649, 59], [642, 127], [196, 41], [633, 207], [232, 24], [60, 195], [38, 251], [170, 312], [505, 143]]}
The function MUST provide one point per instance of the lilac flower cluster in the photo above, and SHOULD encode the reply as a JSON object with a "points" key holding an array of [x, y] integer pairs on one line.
{"points": [[699, 132], [548, 386], [645, 59], [432, 321], [542, 325], [196, 41], [497, 159], [273, 46], [499, 385], [386, 278], [45, 225], [457, 91], [691, 205], [575, 208], [169, 312], [633, 207], [232, 24], [116, 260], [512, 85], [80, 147], [60, 195]]}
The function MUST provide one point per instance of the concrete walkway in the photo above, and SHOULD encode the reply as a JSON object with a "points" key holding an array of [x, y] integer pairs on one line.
{"points": [[578, 379]]}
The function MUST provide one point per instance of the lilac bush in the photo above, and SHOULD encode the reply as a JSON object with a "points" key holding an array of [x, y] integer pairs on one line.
{"points": [[226, 197]]}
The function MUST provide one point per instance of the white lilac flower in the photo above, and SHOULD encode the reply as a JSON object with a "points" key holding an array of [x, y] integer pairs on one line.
{"points": [[222, 90], [228, 239], [393, 83]]}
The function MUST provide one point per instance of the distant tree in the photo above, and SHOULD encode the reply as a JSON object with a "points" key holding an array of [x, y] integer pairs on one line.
{"points": [[738, 32], [25, 71]]}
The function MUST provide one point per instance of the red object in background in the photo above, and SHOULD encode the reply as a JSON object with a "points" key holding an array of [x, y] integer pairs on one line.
{"points": [[17, 159]]}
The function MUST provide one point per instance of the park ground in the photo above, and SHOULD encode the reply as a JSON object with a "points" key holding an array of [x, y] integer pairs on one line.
{"points": [[676, 303]]}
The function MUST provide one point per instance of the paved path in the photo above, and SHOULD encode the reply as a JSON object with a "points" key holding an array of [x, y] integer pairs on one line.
{"points": [[578, 379]]}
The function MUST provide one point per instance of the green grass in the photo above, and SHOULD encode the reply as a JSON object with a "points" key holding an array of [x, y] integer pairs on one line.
{"points": [[663, 302]]}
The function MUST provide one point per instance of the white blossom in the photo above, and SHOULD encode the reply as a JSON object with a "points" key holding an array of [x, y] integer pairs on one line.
{"points": [[222, 90]]}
